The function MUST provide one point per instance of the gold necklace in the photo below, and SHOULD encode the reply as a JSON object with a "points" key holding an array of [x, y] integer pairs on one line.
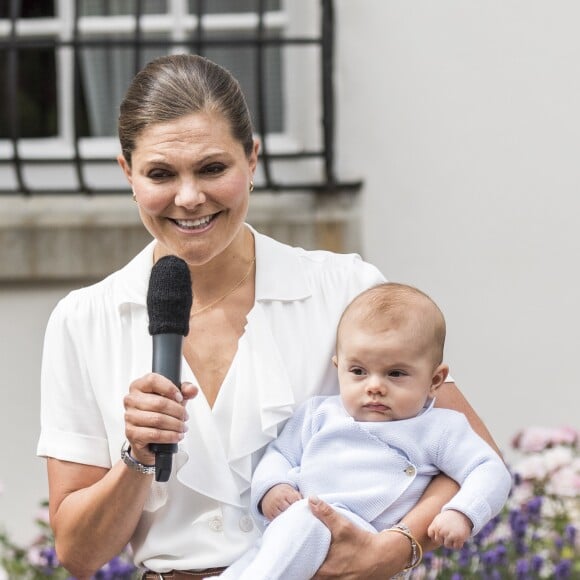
{"points": [[230, 291]]}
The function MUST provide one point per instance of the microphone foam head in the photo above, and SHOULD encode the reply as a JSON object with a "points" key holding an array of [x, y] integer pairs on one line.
{"points": [[169, 297]]}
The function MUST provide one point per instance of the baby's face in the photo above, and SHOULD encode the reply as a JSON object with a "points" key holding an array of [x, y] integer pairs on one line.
{"points": [[384, 374]]}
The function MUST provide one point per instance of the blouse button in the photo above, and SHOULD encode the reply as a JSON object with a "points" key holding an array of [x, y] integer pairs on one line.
{"points": [[216, 524], [246, 524], [410, 470]]}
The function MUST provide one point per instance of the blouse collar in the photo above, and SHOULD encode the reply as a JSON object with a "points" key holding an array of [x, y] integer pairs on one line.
{"points": [[279, 275]]}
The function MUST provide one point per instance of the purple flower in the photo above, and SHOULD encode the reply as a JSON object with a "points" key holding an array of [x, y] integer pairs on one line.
{"points": [[522, 569], [534, 505], [537, 563], [116, 569], [490, 558], [570, 534], [518, 523], [563, 570], [501, 553], [428, 560], [487, 530], [49, 557]]}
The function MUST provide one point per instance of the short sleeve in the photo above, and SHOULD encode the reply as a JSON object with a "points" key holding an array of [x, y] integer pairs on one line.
{"points": [[72, 428]]}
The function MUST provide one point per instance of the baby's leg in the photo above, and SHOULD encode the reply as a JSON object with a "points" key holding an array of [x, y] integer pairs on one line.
{"points": [[293, 546]]}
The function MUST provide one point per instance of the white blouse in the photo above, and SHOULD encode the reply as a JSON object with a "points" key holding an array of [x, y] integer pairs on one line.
{"points": [[97, 342]]}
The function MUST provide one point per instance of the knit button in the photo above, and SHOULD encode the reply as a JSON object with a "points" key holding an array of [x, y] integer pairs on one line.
{"points": [[410, 470], [216, 524], [246, 524]]}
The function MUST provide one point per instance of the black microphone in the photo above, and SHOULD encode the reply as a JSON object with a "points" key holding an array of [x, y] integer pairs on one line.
{"points": [[169, 301]]}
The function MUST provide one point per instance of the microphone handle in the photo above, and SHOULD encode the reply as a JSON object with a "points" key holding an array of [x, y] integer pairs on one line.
{"points": [[166, 362]]}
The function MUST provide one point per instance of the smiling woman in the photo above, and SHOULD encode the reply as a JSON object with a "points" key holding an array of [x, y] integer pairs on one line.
{"points": [[261, 337]]}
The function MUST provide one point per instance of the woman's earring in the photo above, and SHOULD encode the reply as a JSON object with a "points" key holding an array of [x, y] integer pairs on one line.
{"points": [[251, 186], [134, 197]]}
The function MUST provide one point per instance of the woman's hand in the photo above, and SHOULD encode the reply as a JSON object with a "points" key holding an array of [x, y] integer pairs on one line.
{"points": [[355, 553], [155, 413]]}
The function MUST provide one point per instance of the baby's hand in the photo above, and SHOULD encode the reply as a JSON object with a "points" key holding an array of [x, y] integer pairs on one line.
{"points": [[277, 499], [450, 528]]}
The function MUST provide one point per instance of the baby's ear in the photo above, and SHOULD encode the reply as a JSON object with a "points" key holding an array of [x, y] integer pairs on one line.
{"points": [[335, 361], [439, 376]]}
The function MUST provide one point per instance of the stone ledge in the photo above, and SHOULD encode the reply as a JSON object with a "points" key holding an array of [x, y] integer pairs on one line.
{"points": [[81, 237]]}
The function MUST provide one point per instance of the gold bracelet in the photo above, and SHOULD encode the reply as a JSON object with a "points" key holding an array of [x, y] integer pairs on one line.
{"points": [[416, 549]]}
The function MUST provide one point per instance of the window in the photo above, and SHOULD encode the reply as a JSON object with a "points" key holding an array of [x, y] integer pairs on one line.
{"points": [[66, 64]]}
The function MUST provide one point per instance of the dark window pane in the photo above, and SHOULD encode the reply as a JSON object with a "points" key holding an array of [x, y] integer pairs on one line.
{"points": [[105, 74], [228, 6], [241, 62], [31, 95], [120, 7], [27, 8]]}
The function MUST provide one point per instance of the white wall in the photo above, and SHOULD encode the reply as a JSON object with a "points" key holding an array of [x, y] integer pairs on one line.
{"points": [[24, 313], [463, 118]]}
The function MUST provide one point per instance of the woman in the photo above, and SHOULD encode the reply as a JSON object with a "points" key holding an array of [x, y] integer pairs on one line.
{"points": [[261, 338]]}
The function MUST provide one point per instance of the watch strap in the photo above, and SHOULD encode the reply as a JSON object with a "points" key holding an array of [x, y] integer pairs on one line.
{"points": [[132, 463]]}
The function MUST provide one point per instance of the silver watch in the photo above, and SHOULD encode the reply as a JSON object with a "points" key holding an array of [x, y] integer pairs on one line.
{"points": [[132, 463]]}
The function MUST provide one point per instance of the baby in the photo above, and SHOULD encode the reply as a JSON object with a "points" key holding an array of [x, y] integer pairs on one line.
{"points": [[371, 451]]}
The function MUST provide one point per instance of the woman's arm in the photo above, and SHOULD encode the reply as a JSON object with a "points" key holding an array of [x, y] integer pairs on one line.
{"points": [[94, 511], [450, 397], [355, 553]]}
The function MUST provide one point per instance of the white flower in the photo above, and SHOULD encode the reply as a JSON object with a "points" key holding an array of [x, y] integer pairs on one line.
{"points": [[532, 467], [34, 556], [557, 457], [565, 481], [522, 493]]}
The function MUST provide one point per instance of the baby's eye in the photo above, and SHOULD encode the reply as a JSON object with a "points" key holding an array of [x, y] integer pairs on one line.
{"points": [[357, 371], [397, 374]]}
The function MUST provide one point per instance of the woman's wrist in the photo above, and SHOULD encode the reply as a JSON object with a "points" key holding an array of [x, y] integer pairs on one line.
{"points": [[416, 549], [396, 550]]}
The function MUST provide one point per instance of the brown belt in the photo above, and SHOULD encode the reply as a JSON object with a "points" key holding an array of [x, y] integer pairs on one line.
{"points": [[182, 574]]}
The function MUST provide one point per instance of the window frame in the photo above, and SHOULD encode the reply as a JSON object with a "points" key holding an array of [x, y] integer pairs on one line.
{"points": [[285, 149]]}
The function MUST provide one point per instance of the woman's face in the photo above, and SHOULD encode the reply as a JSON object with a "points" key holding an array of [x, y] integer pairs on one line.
{"points": [[191, 179]]}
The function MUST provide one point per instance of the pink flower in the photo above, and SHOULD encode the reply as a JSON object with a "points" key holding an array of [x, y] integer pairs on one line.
{"points": [[534, 439], [42, 515], [565, 436], [565, 481]]}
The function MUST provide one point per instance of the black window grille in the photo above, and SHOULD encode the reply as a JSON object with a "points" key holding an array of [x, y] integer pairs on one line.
{"points": [[31, 69]]}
